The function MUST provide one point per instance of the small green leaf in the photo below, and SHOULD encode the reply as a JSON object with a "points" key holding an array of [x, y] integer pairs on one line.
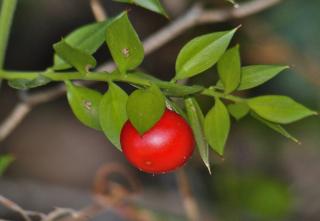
{"points": [[238, 110], [145, 107], [276, 127], [124, 44], [87, 38], [279, 109], [152, 5], [171, 89], [217, 127], [84, 103], [23, 84], [196, 120], [229, 69], [255, 75], [113, 113], [77, 58], [5, 161], [201, 53]]}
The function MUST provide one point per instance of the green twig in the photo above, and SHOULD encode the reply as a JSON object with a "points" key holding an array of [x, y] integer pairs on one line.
{"points": [[105, 77]]}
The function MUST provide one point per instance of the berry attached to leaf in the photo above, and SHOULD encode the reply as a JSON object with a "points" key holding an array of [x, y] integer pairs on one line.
{"points": [[165, 147]]}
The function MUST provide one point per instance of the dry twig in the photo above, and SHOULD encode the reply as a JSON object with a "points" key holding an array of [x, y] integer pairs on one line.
{"points": [[98, 10], [189, 202], [14, 207]]}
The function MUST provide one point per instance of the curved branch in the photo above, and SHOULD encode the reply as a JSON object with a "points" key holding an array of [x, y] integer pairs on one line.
{"points": [[196, 15]]}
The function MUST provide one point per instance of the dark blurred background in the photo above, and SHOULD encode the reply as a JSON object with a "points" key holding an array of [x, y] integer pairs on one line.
{"points": [[263, 176]]}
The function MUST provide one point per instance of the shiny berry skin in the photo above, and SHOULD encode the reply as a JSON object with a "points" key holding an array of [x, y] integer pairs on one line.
{"points": [[163, 148]]}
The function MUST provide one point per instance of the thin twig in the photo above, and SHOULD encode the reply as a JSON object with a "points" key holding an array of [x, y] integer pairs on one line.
{"points": [[14, 207], [189, 202], [194, 16], [17, 115], [244, 10], [98, 11]]}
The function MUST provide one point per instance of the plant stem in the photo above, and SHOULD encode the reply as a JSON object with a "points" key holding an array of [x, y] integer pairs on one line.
{"points": [[104, 76], [6, 16], [214, 93]]}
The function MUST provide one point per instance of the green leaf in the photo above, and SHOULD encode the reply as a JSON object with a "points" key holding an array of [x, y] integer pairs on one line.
{"points": [[87, 38], [175, 107], [113, 113], [196, 120], [217, 126], [229, 69], [152, 5], [279, 109], [171, 89], [124, 44], [238, 110], [201, 53], [79, 59], [276, 127], [145, 107], [255, 75], [23, 84], [5, 161], [84, 103]]}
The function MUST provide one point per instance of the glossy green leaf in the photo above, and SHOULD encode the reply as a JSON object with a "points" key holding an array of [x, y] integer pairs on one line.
{"points": [[201, 53], [238, 110], [84, 103], [77, 58], [171, 89], [152, 5], [196, 120], [217, 126], [229, 69], [124, 44], [279, 109], [113, 113], [5, 161], [145, 107], [255, 75], [87, 38], [276, 127], [23, 84]]}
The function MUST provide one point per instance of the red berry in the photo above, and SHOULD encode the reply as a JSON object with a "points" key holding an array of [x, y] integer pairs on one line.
{"points": [[163, 148]]}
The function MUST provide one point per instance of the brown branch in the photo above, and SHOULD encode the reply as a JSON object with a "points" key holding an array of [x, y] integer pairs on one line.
{"points": [[242, 11], [14, 207], [17, 115], [189, 202], [98, 10], [194, 16]]}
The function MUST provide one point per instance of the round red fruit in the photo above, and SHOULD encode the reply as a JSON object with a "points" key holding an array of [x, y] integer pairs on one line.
{"points": [[163, 148]]}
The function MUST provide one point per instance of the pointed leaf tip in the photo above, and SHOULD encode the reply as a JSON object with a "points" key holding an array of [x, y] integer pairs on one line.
{"points": [[217, 127], [201, 53]]}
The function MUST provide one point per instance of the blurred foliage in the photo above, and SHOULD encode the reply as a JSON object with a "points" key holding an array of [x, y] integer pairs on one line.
{"points": [[252, 197], [5, 161]]}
